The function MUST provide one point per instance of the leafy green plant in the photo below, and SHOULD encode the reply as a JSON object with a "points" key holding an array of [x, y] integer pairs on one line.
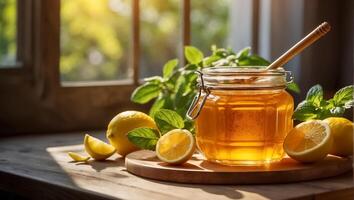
{"points": [[176, 88], [166, 120], [316, 107]]}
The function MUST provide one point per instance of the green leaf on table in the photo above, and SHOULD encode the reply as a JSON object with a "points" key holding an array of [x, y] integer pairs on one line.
{"points": [[169, 67], [193, 55], [145, 93], [145, 138], [253, 60], [292, 86], [305, 111], [315, 95], [167, 120], [344, 95]]}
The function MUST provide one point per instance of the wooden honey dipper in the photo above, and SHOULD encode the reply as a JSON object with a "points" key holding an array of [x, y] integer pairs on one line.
{"points": [[316, 34]]}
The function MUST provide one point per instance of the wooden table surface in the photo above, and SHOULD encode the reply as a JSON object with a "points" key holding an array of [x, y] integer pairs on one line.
{"points": [[39, 168]]}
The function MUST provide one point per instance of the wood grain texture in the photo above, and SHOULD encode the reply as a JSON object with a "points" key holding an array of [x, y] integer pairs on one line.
{"points": [[145, 164], [38, 167]]}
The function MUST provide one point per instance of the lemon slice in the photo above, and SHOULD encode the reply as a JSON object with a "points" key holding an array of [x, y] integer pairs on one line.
{"points": [[175, 147], [98, 149], [309, 141], [77, 157]]}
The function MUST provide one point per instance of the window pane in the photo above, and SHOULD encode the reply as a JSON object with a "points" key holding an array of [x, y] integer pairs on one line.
{"points": [[159, 34], [95, 38], [209, 23], [8, 29]]}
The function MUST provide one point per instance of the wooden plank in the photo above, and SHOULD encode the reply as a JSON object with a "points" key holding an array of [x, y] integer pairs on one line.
{"points": [[30, 163], [346, 194]]}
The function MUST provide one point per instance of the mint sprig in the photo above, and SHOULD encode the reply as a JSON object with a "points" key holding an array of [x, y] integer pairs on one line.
{"points": [[146, 138], [316, 107]]}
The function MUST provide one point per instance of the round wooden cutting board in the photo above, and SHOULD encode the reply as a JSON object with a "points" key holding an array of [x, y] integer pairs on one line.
{"points": [[197, 170]]}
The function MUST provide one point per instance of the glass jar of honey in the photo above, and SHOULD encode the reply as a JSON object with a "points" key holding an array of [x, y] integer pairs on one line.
{"points": [[242, 115]]}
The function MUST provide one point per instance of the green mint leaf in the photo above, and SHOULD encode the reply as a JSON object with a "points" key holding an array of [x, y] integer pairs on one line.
{"points": [[169, 67], [349, 104], [292, 86], [337, 111], [145, 93], [154, 79], [171, 81], [191, 67], [167, 120], [158, 104], [253, 60], [243, 53], [343, 95], [210, 60], [183, 101], [305, 111], [186, 83], [315, 95], [193, 55], [145, 138]]}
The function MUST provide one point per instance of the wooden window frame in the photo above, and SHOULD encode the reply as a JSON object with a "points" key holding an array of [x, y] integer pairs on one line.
{"points": [[47, 104]]}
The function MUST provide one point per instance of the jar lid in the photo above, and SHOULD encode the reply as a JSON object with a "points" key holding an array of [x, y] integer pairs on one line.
{"points": [[243, 77]]}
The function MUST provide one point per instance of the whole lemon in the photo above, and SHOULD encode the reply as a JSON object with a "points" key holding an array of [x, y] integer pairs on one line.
{"points": [[342, 132], [121, 124]]}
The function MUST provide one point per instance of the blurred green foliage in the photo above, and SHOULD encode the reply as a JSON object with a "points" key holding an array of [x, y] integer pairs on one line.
{"points": [[209, 23], [7, 32], [95, 38], [96, 35], [160, 34]]}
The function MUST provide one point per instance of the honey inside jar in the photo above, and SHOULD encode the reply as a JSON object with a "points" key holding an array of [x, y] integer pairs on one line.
{"points": [[244, 123]]}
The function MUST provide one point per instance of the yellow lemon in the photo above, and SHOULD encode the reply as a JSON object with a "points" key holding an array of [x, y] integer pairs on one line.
{"points": [[175, 147], [342, 132], [121, 124], [98, 149], [309, 141], [77, 157]]}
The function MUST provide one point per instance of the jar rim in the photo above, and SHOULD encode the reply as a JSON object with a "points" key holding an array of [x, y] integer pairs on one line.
{"points": [[248, 77], [244, 70]]}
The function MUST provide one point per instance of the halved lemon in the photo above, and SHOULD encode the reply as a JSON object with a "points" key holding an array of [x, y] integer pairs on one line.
{"points": [[309, 141], [175, 147], [77, 157], [98, 149]]}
